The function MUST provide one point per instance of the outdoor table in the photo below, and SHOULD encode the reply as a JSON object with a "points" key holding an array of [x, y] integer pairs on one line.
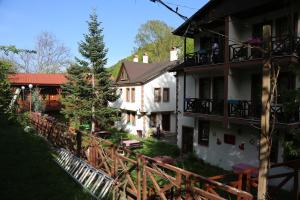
{"points": [[131, 143], [165, 159]]}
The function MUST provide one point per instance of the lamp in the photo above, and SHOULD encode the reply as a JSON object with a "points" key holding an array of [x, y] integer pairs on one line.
{"points": [[30, 98], [23, 88]]}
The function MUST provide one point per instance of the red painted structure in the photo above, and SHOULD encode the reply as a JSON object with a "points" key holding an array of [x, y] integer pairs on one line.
{"points": [[47, 84]]}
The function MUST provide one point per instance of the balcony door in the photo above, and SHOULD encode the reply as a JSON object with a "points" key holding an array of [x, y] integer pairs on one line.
{"points": [[187, 139], [218, 95], [218, 88], [204, 88], [166, 121]]}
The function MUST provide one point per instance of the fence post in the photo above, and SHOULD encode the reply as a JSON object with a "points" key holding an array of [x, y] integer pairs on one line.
{"points": [[138, 174], [188, 188], [144, 181], [78, 143], [114, 161]]}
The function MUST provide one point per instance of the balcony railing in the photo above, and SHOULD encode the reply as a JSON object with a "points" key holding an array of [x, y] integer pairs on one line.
{"points": [[204, 57], [240, 109], [281, 46], [204, 106], [251, 110]]}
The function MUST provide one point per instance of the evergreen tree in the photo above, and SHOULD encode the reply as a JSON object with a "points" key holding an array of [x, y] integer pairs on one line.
{"points": [[5, 90], [79, 94], [36, 100]]}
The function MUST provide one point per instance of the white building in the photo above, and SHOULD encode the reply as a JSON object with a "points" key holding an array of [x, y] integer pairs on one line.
{"points": [[219, 90], [147, 95]]}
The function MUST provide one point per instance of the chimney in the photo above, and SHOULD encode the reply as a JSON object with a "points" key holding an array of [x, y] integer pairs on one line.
{"points": [[145, 58], [136, 58], [174, 54]]}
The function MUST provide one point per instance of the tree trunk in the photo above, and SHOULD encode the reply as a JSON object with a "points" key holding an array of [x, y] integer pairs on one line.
{"points": [[264, 152]]}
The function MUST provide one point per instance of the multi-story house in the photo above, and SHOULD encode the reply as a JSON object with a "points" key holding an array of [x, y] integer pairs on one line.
{"points": [[147, 95], [219, 85]]}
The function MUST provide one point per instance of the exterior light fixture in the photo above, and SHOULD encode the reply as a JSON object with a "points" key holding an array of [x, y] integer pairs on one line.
{"points": [[30, 98]]}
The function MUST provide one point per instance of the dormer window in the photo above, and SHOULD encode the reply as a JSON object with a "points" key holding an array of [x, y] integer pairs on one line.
{"points": [[123, 76]]}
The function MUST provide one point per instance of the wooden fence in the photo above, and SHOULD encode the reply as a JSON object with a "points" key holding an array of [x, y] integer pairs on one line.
{"points": [[136, 176]]}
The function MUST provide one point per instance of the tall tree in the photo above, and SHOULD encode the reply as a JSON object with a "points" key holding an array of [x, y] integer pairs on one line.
{"points": [[52, 56], [156, 38], [5, 90], [90, 86]]}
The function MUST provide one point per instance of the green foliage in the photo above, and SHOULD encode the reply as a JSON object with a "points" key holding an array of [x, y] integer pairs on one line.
{"points": [[156, 39], [291, 102], [36, 100], [5, 90], [14, 49], [78, 94]]}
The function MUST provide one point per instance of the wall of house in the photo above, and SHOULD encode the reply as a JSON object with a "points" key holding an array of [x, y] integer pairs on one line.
{"points": [[166, 80], [239, 84], [226, 155], [183, 120], [123, 104]]}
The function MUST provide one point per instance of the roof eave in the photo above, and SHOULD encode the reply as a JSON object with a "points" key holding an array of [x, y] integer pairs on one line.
{"points": [[178, 31]]}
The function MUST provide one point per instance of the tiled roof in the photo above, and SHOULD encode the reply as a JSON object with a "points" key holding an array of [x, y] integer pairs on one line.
{"points": [[143, 72], [37, 79]]}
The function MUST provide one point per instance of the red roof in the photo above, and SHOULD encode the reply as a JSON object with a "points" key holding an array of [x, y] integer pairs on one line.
{"points": [[37, 79]]}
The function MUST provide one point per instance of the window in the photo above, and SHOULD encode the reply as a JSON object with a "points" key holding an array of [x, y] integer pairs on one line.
{"points": [[153, 120], [128, 117], [229, 139], [123, 76], [203, 133], [127, 94], [132, 118], [120, 92], [132, 94], [166, 95], [204, 88], [157, 94], [281, 27]]}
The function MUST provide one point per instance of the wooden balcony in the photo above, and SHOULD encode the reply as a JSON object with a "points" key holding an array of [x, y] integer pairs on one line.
{"points": [[204, 57], [250, 110], [204, 106], [287, 45], [238, 110]]}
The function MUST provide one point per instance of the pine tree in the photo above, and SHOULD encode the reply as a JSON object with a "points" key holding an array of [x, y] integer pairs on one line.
{"points": [[79, 94], [5, 90]]}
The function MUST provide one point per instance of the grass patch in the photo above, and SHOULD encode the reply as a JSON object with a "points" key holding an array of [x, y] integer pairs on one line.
{"points": [[153, 147], [27, 170]]}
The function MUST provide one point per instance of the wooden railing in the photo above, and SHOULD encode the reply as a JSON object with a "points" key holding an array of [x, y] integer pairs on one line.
{"points": [[136, 176], [281, 46], [248, 109], [204, 57], [204, 106], [52, 105]]}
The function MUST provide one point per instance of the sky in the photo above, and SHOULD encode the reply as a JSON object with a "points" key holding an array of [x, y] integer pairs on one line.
{"points": [[22, 21]]}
